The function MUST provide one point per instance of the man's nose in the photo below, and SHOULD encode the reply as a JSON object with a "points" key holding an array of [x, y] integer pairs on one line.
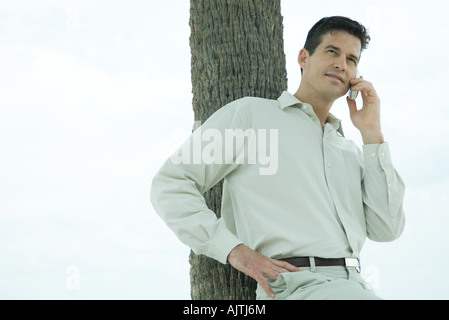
{"points": [[340, 64]]}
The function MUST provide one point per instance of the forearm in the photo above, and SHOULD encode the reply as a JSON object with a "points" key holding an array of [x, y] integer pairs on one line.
{"points": [[179, 202], [383, 194]]}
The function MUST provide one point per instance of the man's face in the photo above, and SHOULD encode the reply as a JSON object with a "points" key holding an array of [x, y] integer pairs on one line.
{"points": [[327, 72]]}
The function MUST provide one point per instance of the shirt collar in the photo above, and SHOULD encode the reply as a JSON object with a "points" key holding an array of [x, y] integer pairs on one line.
{"points": [[288, 100]]}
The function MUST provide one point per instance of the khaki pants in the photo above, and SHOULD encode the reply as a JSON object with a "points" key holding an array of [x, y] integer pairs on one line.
{"points": [[319, 283]]}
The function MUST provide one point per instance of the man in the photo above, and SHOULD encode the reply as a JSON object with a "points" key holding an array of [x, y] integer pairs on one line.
{"points": [[298, 206]]}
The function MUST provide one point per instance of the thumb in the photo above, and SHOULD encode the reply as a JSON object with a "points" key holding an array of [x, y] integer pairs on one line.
{"points": [[352, 105]]}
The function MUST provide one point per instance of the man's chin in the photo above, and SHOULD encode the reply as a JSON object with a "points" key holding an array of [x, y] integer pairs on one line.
{"points": [[334, 95]]}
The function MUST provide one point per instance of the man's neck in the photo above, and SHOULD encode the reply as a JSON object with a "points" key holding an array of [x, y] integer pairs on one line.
{"points": [[320, 105]]}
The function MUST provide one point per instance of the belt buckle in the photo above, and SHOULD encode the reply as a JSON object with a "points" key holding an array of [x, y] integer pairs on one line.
{"points": [[353, 262]]}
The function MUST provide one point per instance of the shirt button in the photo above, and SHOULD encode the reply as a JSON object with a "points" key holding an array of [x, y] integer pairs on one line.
{"points": [[382, 155], [373, 154]]}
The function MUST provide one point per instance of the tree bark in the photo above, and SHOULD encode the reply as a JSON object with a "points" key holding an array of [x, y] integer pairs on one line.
{"points": [[237, 50]]}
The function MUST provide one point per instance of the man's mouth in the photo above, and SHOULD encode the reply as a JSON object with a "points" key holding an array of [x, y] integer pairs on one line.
{"points": [[335, 76]]}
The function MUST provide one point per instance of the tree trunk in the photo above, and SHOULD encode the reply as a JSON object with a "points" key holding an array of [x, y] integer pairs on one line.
{"points": [[237, 50]]}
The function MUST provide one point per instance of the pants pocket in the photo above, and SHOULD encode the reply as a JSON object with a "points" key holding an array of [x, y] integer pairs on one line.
{"points": [[289, 283], [278, 286]]}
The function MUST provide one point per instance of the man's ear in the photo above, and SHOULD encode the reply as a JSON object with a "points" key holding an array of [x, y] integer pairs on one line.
{"points": [[303, 57]]}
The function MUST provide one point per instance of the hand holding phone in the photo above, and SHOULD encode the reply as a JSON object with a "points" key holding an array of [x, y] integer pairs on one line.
{"points": [[366, 118], [353, 94]]}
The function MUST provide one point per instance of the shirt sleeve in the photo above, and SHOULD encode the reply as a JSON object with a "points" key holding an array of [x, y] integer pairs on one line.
{"points": [[178, 187], [383, 194]]}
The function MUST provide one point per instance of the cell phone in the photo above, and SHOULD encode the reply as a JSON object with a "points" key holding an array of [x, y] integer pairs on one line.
{"points": [[353, 94]]}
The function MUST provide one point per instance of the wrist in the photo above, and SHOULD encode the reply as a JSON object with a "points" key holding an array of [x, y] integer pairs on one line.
{"points": [[372, 136], [234, 253]]}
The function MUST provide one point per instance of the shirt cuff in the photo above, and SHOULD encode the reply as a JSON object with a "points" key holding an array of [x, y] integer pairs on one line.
{"points": [[222, 245], [377, 155]]}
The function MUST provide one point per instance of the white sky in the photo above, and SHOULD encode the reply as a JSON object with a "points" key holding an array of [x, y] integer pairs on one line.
{"points": [[95, 95]]}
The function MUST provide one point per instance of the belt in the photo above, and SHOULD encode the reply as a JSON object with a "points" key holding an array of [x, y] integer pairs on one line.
{"points": [[323, 262]]}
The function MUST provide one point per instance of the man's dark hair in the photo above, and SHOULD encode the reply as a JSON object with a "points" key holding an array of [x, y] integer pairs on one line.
{"points": [[336, 23]]}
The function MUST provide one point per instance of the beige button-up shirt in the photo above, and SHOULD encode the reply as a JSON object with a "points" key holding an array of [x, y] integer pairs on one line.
{"points": [[290, 188]]}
